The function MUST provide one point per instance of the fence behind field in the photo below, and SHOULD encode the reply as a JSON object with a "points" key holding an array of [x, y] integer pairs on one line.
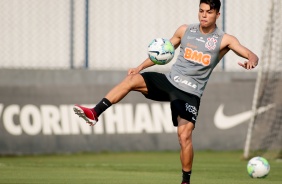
{"points": [[111, 34]]}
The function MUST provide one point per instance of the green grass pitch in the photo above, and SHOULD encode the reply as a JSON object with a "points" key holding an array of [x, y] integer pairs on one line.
{"points": [[128, 168]]}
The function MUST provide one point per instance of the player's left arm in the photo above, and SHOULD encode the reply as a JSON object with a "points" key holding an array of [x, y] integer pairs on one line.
{"points": [[233, 44]]}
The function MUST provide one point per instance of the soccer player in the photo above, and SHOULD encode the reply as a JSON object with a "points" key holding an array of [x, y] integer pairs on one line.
{"points": [[202, 45]]}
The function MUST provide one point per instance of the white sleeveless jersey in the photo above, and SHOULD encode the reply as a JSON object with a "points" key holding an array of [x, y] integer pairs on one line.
{"points": [[199, 54]]}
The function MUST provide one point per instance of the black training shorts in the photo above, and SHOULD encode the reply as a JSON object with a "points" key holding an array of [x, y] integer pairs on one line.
{"points": [[182, 104]]}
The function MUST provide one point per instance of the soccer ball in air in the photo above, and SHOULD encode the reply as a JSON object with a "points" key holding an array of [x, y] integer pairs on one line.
{"points": [[161, 51], [258, 167]]}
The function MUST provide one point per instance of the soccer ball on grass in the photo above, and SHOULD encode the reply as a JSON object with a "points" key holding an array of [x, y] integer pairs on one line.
{"points": [[160, 51], [258, 167]]}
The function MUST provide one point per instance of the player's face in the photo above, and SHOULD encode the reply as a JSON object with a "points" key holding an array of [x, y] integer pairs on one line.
{"points": [[207, 17]]}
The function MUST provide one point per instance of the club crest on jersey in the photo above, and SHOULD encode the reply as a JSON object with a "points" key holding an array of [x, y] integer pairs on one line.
{"points": [[211, 43]]}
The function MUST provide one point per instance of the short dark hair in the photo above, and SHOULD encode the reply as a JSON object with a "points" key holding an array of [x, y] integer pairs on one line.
{"points": [[214, 4]]}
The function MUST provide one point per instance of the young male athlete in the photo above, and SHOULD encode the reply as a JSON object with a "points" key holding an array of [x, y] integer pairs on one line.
{"points": [[202, 46]]}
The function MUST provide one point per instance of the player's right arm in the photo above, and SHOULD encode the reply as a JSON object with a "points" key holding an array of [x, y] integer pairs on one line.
{"points": [[175, 40], [147, 63]]}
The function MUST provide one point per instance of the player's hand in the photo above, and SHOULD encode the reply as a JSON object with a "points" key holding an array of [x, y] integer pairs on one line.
{"points": [[133, 71], [248, 65]]}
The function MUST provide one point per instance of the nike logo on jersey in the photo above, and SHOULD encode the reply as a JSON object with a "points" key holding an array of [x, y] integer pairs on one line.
{"points": [[222, 121]]}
